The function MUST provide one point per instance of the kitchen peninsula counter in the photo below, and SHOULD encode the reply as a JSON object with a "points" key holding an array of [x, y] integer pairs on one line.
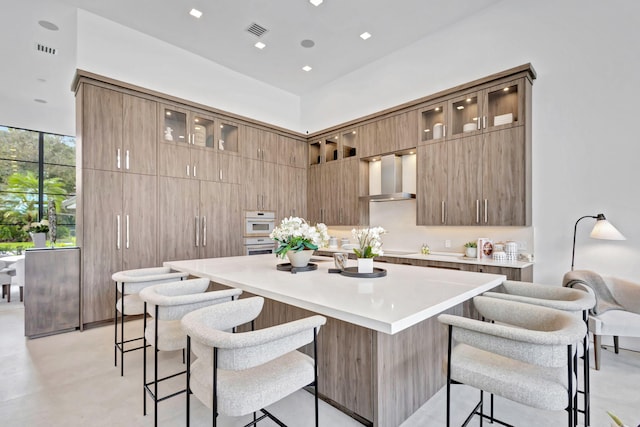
{"points": [[382, 350]]}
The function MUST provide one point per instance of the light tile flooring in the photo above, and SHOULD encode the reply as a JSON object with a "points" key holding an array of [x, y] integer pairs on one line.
{"points": [[70, 380]]}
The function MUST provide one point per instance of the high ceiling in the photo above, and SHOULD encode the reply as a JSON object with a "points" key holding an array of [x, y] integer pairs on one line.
{"points": [[221, 35]]}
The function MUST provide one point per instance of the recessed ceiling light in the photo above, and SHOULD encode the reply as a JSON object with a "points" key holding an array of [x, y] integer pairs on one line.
{"points": [[41, 80], [41, 101], [365, 35], [260, 45], [195, 13], [48, 25], [307, 68], [315, 2], [307, 43]]}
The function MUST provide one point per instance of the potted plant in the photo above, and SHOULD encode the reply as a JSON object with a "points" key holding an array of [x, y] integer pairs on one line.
{"points": [[297, 239], [38, 232], [471, 249], [369, 246]]}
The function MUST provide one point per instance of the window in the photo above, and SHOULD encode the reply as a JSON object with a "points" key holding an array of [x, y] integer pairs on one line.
{"points": [[35, 169]]}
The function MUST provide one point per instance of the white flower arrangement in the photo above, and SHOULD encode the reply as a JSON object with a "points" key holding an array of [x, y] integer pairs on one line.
{"points": [[295, 234], [369, 242]]}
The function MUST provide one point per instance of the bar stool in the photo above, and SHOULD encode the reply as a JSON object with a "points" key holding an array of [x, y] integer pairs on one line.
{"points": [[168, 303], [129, 283], [560, 298]]}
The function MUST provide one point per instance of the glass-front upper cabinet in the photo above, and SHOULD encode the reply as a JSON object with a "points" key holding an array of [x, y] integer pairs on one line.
{"points": [[202, 131], [505, 105], [228, 138], [433, 125], [349, 144], [315, 152], [465, 115], [174, 125], [331, 148]]}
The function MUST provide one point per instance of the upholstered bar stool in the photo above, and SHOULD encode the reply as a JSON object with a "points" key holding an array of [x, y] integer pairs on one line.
{"points": [[168, 303], [573, 301], [527, 356], [237, 374], [129, 283]]}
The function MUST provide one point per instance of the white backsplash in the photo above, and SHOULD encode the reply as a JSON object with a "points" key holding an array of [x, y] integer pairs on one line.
{"points": [[399, 219]]}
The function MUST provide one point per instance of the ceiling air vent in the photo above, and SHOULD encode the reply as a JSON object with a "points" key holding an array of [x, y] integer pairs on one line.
{"points": [[257, 30], [45, 49]]}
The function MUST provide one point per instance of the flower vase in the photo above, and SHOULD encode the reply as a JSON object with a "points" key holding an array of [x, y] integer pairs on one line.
{"points": [[39, 239], [471, 252], [299, 259], [365, 265]]}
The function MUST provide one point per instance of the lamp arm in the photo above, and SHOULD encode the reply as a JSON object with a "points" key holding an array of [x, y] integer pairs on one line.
{"points": [[575, 229]]}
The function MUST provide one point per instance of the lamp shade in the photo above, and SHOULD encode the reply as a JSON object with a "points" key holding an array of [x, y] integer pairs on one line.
{"points": [[605, 231]]}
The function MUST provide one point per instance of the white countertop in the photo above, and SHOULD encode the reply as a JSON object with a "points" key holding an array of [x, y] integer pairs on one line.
{"points": [[445, 257], [406, 296]]}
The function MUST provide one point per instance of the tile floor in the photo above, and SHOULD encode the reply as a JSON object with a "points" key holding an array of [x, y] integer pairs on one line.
{"points": [[70, 380]]}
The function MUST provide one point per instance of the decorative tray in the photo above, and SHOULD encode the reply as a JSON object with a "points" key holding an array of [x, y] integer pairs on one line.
{"points": [[353, 272], [288, 267]]}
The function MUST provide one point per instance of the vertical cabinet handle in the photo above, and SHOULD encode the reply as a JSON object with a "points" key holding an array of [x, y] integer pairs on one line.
{"points": [[442, 212], [258, 201], [197, 223], [187, 170], [486, 215], [126, 160], [195, 171], [220, 174], [118, 158], [126, 245], [477, 211], [118, 232], [484, 122], [204, 231], [444, 130]]}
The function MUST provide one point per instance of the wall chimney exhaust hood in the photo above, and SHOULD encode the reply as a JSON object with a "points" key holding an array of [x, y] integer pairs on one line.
{"points": [[391, 181]]}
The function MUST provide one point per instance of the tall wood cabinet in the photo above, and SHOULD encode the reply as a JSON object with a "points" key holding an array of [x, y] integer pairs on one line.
{"points": [[116, 217]]}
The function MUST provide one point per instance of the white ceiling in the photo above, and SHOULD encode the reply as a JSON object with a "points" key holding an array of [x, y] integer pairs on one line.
{"points": [[220, 35]]}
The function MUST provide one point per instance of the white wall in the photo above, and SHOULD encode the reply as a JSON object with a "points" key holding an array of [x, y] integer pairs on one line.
{"points": [[584, 113], [121, 53]]}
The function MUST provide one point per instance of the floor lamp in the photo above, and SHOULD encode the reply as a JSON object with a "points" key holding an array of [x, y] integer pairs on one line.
{"points": [[601, 230]]}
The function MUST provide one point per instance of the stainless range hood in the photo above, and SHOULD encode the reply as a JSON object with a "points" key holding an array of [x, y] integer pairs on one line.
{"points": [[391, 185]]}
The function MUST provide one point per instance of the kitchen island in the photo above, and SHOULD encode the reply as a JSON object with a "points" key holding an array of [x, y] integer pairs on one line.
{"points": [[381, 353]]}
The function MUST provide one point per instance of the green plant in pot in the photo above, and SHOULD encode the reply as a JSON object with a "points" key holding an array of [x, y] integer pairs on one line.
{"points": [[471, 249]]}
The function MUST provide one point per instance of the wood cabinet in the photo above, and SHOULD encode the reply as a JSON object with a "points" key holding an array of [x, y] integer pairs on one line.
{"points": [[259, 144], [115, 207], [260, 185], [125, 127], [292, 152], [389, 134], [486, 180], [220, 220], [292, 192], [178, 217]]}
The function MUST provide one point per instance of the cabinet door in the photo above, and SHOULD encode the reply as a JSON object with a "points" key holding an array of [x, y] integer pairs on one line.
{"points": [[405, 131], [332, 193], [252, 184], [504, 105], [173, 125], [367, 140], [269, 146], [314, 194], [174, 160], [140, 221], [139, 135], [204, 165], [259, 144], [221, 220], [292, 152], [228, 138], [178, 219], [269, 186], [384, 139], [349, 144], [292, 192], [504, 178], [230, 168], [349, 202], [432, 123], [431, 194], [101, 241], [464, 187], [465, 115], [101, 136]]}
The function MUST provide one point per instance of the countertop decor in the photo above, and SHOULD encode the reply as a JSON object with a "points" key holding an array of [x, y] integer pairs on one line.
{"points": [[296, 235]]}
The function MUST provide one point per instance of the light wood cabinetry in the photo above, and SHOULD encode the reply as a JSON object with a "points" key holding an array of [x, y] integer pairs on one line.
{"points": [[292, 152], [178, 216], [220, 223], [488, 165], [260, 145], [292, 192], [260, 185], [389, 134]]}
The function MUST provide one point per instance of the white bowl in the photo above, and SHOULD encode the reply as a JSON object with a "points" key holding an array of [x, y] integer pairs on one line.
{"points": [[469, 127]]}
